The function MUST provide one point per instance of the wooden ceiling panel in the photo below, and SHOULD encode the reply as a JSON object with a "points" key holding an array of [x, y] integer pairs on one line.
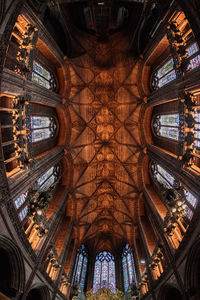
{"points": [[105, 143]]}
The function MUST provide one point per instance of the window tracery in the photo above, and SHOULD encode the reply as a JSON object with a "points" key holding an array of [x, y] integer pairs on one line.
{"points": [[43, 77], [42, 128], [104, 272], [81, 267], [164, 75], [48, 178], [167, 126], [128, 267]]}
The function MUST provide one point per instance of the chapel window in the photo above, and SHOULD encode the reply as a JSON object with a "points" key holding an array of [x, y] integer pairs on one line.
{"points": [[104, 272], [196, 117], [164, 74], [167, 125], [128, 267], [43, 77], [48, 178], [81, 267], [194, 55], [42, 128]]}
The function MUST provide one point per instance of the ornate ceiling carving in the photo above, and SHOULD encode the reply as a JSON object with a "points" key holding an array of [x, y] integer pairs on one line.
{"points": [[105, 145]]}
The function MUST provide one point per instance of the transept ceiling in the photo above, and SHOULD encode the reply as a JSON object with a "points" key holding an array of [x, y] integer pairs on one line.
{"points": [[105, 143]]}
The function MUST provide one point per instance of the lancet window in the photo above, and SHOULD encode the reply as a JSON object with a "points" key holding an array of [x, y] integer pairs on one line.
{"points": [[104, 272], [42, 128], [186, 201], [194, 55], [42, 76], [128, 267], [47, 180], [164, 75], [81, 267], [167, 126], [196, 117]]}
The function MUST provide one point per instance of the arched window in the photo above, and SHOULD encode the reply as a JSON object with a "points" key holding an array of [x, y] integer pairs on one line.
{"points": [[42, 185], [80, 267], [166, 179], [42, 128], [104, 272], [164, 74], [43, 77], [48, 178], [167, 126], [193, 53], [196, 117], [128, 267]]}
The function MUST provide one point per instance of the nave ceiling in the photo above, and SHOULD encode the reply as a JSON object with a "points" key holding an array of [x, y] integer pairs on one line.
{"points": [[105, 143]]}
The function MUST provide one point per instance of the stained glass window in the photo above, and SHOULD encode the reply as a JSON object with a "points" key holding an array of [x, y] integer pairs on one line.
{"points": [[20, 200], [196, 117], [23, 213], [43, 77], [167, 126], [164, 75], [166, 179], [42, 128], [128, 267], [104, 272], [193, 52], [48, 178], [80, 267]]}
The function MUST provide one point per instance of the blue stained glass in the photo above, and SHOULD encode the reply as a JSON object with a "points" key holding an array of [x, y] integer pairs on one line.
{"points": [[167, 126], [164, 177], [166, 68], [169, 120], [104, 273], [190, 198], [40, 134], [166, 79], [124, 264], [188, 211], [23, 213], [168, 132], [42, 128], [192, 49], [80, 267], [20, 200], [128, 267], [83, 274], [45, 176], [40, 75], [40, 122], [195, 62]]}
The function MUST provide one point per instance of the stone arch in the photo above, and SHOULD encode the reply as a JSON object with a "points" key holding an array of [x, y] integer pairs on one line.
{"points": [[39, 292], [12, 277], [192, 271], [169, 292]]}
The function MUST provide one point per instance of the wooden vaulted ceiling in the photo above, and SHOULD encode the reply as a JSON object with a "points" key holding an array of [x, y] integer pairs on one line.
{"points": [[104, 104], [105, 145]]}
